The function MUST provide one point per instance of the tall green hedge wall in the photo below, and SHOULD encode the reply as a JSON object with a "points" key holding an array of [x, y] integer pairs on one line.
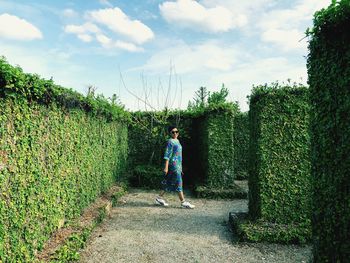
{"points": [[241, 145], [279, 173], [329, 79], [54, 160], [218, 148]]}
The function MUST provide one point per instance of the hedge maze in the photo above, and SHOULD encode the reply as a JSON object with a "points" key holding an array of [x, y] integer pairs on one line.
{"points": [[59, 150], [208, 144]]}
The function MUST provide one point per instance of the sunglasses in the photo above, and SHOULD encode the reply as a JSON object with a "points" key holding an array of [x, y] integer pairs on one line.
{"points": [[173, 132]]}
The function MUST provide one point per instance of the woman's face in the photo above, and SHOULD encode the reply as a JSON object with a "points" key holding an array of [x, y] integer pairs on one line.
{"points": [[174, 133]]}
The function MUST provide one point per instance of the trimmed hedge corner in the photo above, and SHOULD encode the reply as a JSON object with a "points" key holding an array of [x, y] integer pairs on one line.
{"points": [[329, 79], [262, 231], [279, 174]]}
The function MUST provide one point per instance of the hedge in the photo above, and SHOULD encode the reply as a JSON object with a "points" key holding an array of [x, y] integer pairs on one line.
{"points": [[147, 176], [56, 157], [207, 140], [218, 148], [15, 84], [329, 79], [279, 170], [263, 231], [241, 145], [147, 139]]}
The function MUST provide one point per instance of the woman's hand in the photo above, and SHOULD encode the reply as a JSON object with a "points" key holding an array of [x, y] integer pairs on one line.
{"points": [[165, 170]]}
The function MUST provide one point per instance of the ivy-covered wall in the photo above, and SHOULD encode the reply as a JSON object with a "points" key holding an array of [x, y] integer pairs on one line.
{"points": [[218, 148], [279, 173], [58, 152], [329, 79], [241, 145]]}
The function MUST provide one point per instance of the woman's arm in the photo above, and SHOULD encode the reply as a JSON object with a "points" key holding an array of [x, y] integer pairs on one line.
{"points": [[166, 167], [167, 155]]}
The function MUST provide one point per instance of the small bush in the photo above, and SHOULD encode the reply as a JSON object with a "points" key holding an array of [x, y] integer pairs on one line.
{"points": [[69, 251], [147, 176]]}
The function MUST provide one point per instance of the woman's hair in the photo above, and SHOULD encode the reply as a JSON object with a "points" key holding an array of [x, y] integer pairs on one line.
{"points": [[170, 128]]}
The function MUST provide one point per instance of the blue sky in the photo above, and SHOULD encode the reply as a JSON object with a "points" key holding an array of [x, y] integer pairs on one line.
{"points": [[155, 53]]}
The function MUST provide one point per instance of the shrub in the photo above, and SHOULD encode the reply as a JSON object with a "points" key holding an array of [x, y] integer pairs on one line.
{"points": [[148, 176]]}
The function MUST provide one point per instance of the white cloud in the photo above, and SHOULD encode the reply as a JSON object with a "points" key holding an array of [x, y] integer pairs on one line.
{"points": [[191, 14], [258, 72], [106, 3], [88, 32], [85, 37], [47, 63], [117, 21], [127, 46], [13, 27], [83, 29], [309, 7], [212, 63], [106, 42], [286, 39], [84, 32], [264, 70], [285, 27], [243, 7], [69, 13], [194, 58]]}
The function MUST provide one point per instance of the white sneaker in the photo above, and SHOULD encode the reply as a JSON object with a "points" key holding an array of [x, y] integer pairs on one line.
{"points": [[161, 201], [186, 204]]}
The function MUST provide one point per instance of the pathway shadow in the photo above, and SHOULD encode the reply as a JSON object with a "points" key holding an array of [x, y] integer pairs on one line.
{"points": [[175, 220], [136, 204]]}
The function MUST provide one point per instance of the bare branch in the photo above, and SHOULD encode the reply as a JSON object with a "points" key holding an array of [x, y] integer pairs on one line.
{"points": [[175, 94], [133, 94], [169, 86]]}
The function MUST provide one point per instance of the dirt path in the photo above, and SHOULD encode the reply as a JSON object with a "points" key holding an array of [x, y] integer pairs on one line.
{"points": [[139, 231]]}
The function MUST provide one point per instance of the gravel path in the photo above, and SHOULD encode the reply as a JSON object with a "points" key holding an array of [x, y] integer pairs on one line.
{"points": [[139, 231]]}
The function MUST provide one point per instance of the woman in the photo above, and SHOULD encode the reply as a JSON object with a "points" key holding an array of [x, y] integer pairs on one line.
{"points": [[173, 170]]}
